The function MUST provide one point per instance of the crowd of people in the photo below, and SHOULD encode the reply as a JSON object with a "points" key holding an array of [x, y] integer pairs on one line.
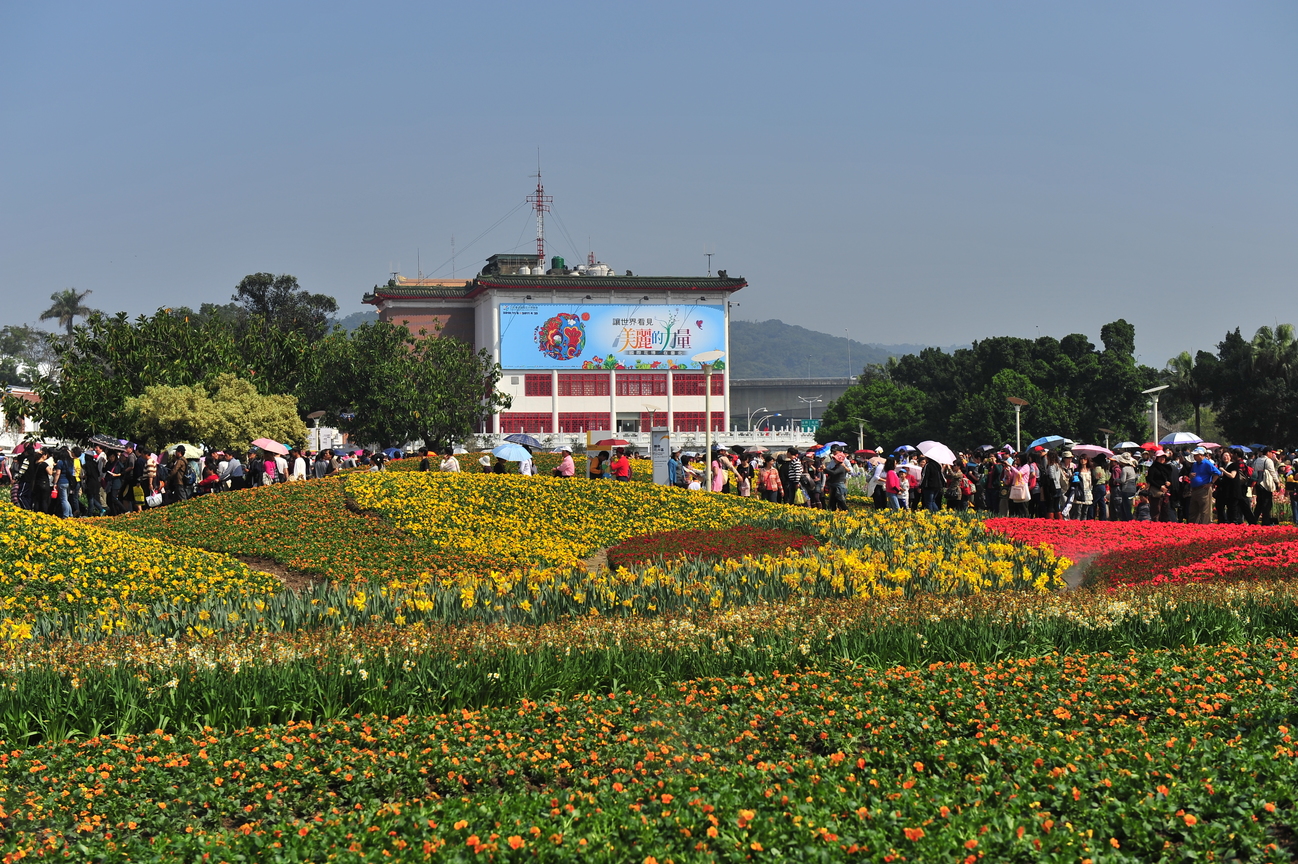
{"points": [[97, 481], [1190, 484]]}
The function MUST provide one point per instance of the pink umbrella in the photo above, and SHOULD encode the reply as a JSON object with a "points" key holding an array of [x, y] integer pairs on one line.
{"points": [[271, 446], [1209, 445], [1091, 450]]}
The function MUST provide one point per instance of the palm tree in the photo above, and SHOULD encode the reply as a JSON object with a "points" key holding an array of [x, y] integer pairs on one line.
{"points": [[1275, 352], [67, 305], [1187, 384]]}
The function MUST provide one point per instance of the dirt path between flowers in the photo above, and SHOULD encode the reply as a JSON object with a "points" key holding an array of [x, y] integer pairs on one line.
{"points": [[596, 562], [294, 580], [1075, 576]]}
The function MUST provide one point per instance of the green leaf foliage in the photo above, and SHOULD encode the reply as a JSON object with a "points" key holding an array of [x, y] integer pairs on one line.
{"points": [[383, 385], [961, 398], [227, 414]]}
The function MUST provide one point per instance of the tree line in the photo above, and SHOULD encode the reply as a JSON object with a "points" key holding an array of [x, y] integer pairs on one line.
{"points": [[1073, 388], [182, 374]]}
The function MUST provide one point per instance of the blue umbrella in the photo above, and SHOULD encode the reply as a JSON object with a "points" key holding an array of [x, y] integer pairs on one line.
{"points": [[392, 452], [511, 453], [906, 447], [525, 440], [1050, 442]]}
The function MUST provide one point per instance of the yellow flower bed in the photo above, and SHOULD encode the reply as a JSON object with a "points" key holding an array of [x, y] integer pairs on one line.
{"points": [[537, 520], [49, 564], [546, 526]]}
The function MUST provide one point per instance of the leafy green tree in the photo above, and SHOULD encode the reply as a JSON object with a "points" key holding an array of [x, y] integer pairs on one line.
{"points": [[1254, 385], [279, 302], [385, 386], [25, 355], [67, 305], [892, 415], [1188, 378], [226, 413]]}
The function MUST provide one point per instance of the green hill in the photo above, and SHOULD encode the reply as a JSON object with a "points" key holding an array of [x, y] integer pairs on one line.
{"points": [[773, 349]]}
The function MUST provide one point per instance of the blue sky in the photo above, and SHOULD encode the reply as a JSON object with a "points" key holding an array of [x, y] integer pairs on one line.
{"points": [[918, 172]]}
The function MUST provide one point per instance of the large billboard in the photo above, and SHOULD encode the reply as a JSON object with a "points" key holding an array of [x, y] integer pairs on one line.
{"points": [[585, 336]]}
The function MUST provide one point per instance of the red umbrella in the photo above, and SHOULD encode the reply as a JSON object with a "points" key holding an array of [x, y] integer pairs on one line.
{"points": [[612, 442], [1151, 446], [864, 452]]}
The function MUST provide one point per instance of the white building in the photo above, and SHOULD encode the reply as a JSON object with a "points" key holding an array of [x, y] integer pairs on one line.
{"points": [[581, 349]]}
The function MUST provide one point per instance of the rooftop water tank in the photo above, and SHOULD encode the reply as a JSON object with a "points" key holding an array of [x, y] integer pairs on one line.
{"points": [[524, 270], [556, 263]]}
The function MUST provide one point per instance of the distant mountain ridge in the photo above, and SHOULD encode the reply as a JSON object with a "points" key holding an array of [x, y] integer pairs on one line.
{"points": [[773, 349], [354, 320]]}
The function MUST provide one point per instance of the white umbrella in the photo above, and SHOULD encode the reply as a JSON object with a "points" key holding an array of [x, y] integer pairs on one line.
{"points": [[938, 452], [1127, 445], [1180, 438], [1091, 450]]}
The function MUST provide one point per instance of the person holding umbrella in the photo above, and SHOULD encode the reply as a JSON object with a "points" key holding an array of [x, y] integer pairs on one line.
{"points": [[931, 483]]}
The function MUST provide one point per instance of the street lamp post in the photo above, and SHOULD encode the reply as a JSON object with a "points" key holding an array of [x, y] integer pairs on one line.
{"points": [[1107, 433], [1154, 393], [707, 360], [764, 417], [860, 432], [810, 402], [1018, 407], [316, 415], [750, 417]]}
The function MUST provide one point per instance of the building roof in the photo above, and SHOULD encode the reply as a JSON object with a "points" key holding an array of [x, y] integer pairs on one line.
{"points": [[411, 289]]}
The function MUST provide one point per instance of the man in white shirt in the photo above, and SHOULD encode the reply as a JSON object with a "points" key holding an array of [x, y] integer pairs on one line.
{"points": [[299, 466], [450, 463], [281, 468], [527, 467]]}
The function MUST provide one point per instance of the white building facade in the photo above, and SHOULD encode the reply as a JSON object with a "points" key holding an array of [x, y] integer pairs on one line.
{"points": [[582, 349]]}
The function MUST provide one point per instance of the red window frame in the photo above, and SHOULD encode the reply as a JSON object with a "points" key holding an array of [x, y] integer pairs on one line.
{"points": [[692, 421], [691, 384], [538, 385], [525, 421], [583, 383], [641, 384], [582, 421]]}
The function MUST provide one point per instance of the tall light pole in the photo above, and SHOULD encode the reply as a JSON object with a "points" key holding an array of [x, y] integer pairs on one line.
{"points": [[707, 360], [1018, 434], [860, 432], [750, 417], [810, 402], [1107, 433], [1154, 393], [316, 415], [849, 353], [653, 415], [764, 417]]}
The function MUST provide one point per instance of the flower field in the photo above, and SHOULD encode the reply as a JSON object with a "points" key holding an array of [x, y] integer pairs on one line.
{"points": [[51, 565], [1142, 756], [461, 685], [1134, 553], [737, 542]]}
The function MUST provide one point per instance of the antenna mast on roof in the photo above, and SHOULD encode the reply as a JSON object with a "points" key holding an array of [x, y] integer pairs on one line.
{"points": [[541, 204], [452, 256]]}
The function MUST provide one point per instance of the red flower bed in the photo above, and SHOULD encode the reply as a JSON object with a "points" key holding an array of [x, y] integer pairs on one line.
{"points": [[1132, 553], [710, 545]]}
